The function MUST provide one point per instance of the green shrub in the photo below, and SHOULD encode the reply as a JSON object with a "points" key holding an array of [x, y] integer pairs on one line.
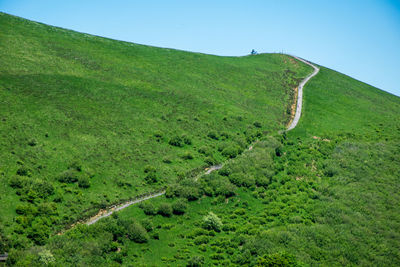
{"points": [[179, 207], [212, 222], [46, 257], [225, 171], [176, 141], [147, 224], [148, 208], [248, 181], [171, 191], [151, 178], [204, 150], [212, 135], [191, 193], [158, 134], [42, 188], [165, 209], [277, 259], [68, 176], [24, 171], [17, 182], [231, 151], [210, 160], [39, 232], [155, 236], [167, 160], [32, 142], [76, 165], [137, 233], [223, 187], [257, 124], [149, 169], [201, 240], [186, 140], [25, 209], [84, 182], [263, 181], [187, 155], [224, 135], [195, 261]]}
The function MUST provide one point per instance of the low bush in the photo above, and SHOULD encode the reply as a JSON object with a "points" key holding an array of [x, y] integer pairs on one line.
{"points": [[149, 169], [204, 150], [195, 261], [32, 142], [148, 208], [186, 140], [210, 160], [165, 209], [231, 151], [147, 224], [257, 124], [151, 178], [176, 141], [137, 233], [187, 155], [167, 160], [277, 259], [213, 135], [201, 240], [17, 182], [68, 176], [179, 207], [212, 222], [24, 171], [84, 182]]}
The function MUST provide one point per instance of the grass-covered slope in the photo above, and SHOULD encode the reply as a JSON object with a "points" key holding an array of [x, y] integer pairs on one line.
{"points": [[87, 121], [326, 193]]}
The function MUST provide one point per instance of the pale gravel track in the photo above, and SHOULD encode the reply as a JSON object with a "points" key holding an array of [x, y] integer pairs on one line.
{"points": [[123, 206], [299, 105], [219, 166]]}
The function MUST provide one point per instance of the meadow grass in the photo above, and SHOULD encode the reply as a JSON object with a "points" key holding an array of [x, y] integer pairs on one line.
{"points": [[88, 121], [330, 196]]}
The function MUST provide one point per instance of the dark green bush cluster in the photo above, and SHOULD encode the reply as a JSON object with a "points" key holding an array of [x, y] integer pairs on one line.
{"points": [[187, 188], [231, 151], [165, 209], [195, 261], [151, 174], [24, 171], [187, 155], [137, 233], [213, 135], [179, 207], [148, 208], [31, 189], [180, 141], [68, 176], [277, 259]]}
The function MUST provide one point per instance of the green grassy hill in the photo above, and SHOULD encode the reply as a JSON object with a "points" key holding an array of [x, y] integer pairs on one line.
{"points": [[325, 193], [87, 121]]}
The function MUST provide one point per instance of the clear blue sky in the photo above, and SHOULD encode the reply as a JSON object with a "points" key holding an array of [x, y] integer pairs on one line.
{"points": [[360, 38]]}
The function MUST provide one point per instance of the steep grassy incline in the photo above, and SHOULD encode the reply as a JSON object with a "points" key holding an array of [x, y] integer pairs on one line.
{"points": [[325, 193], [88, 121]]}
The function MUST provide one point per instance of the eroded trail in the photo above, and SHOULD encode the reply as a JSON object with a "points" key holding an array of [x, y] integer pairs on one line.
{"points": [[300, 94], [111, 210]]}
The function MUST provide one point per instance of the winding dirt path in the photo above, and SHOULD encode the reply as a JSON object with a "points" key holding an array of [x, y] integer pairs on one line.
{"points": [[109, 211], [300, 93]]}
